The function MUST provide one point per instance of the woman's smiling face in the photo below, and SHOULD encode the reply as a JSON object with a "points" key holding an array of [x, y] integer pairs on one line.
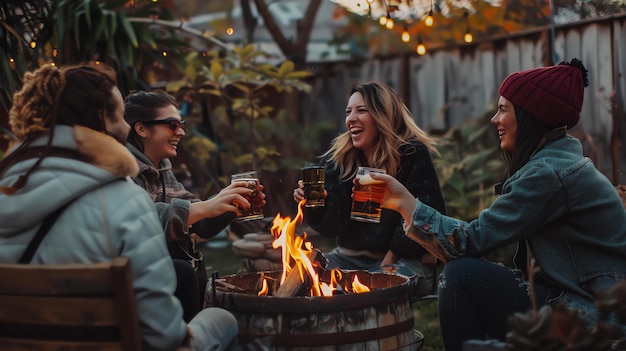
{"points": [[162, 142], [506, 122], [360, 123]]}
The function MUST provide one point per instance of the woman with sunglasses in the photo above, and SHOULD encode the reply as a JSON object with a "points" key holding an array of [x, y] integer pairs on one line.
{"points": [[156, 131]]}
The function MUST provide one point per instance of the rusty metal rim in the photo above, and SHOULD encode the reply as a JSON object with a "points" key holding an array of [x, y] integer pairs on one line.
{"points": [[340, 338], [270, 304]]}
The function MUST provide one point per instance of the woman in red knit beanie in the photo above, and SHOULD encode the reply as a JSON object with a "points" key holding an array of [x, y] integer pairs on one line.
{"points": [[566, 217]]}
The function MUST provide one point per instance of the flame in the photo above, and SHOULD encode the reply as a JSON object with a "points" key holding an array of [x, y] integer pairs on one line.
{"points": [[295, 256], [359, 287], [264, 288]]}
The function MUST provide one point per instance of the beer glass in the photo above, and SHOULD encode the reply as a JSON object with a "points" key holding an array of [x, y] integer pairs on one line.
{"points": [[313, 180], [254, 212], [368, 196]]}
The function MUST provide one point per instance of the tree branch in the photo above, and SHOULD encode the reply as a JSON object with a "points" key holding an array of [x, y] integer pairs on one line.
{"points": [[285, 46]]}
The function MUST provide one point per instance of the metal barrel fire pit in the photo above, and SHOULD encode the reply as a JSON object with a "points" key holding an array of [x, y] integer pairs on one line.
{"points": [[381, 319]]}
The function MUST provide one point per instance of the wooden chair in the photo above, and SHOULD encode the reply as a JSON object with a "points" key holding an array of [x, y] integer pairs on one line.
{"points": [[68, 307]]}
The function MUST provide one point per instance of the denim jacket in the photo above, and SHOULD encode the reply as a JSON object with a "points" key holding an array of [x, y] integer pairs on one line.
{"points": [[567, 212]]}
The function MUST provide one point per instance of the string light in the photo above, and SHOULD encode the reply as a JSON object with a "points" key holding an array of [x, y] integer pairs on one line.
{"points": [[388, 11], [33, 44], [421, 48], [389, 24], [11, 60], [468, 38], [406, 37], [430, 20], [164, 53], [230, 30]]}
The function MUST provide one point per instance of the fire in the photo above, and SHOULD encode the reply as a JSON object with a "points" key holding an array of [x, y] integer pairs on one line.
{"points": [[359, 287], [264, 289], [296, 253]]}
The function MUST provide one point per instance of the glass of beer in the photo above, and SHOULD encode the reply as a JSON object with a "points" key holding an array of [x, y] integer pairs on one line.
{"points": [[368, 196], [313, 180], [254, 212]]}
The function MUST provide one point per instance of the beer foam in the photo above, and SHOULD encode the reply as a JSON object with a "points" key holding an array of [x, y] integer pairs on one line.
{"points": [[368, 180]]}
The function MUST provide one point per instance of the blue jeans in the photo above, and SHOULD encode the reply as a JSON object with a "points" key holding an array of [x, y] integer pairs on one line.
{"points": [[213, 329], [476, 298]]}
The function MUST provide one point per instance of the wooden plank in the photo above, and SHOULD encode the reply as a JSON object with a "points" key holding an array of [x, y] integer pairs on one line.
{"points": [[54, 279], [293, 285], [62, 311], [47, 345]]}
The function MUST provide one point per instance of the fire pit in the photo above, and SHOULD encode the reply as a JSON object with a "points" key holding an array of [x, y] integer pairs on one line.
{"points": [[306, 306], [381, 319]]}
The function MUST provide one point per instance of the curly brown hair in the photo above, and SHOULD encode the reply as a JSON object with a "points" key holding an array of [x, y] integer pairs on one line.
{"points": [[69, 95]]}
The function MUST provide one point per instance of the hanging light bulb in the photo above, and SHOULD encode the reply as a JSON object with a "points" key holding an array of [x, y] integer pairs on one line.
{"points": [[406, 37], [421, 48], [382, 20], [389, 24], [430, 20], [468, 38]]}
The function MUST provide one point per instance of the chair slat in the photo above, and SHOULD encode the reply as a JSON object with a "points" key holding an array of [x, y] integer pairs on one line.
{"points": [[86, 307], [30, 345], [59, 311], [55, 279]]}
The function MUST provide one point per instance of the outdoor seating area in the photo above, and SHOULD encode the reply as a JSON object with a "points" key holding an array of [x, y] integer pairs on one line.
{"points": [[319, 175]]}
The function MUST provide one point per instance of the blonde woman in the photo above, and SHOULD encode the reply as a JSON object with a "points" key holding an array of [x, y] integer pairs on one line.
{"points": [[380, 133]]}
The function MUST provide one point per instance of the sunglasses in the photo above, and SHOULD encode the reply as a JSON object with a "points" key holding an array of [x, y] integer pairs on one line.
{"points": [[172, 123]]}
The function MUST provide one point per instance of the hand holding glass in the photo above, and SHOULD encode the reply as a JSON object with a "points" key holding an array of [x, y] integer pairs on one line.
{"points": [[254, 212], [313, 181], [368, 196]]}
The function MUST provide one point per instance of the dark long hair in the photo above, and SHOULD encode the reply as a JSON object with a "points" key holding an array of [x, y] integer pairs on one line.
{"points": [[140, 107], [529, 136]]}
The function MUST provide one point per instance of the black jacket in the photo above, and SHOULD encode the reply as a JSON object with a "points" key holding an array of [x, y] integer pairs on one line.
{"points": [[417, 173]]}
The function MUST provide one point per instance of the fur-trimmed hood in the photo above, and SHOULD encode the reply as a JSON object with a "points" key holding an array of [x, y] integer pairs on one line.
{"points": [[58, 180]]}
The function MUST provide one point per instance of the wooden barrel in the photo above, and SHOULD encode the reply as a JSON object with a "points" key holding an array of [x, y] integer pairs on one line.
{"points": [[381, 319]]}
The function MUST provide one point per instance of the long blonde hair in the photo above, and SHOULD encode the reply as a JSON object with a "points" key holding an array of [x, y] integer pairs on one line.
{"points": [[396, 127]]}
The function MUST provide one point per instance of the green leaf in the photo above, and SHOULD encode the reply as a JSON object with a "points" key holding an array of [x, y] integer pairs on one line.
{"points": [[299, 75], [216, 70], [191, 73], [243, 159], [87, 10], [128, 30], [286, 68]]}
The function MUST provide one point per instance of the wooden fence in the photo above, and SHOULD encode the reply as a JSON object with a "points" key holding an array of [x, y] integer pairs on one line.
{"points": [[451, 85]]}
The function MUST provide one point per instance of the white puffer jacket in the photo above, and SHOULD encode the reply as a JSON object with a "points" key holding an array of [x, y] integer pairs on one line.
{"points": [[115, 219]]}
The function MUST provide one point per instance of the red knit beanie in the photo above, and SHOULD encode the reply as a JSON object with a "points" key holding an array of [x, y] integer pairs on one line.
{"points": [[553, 95]]}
